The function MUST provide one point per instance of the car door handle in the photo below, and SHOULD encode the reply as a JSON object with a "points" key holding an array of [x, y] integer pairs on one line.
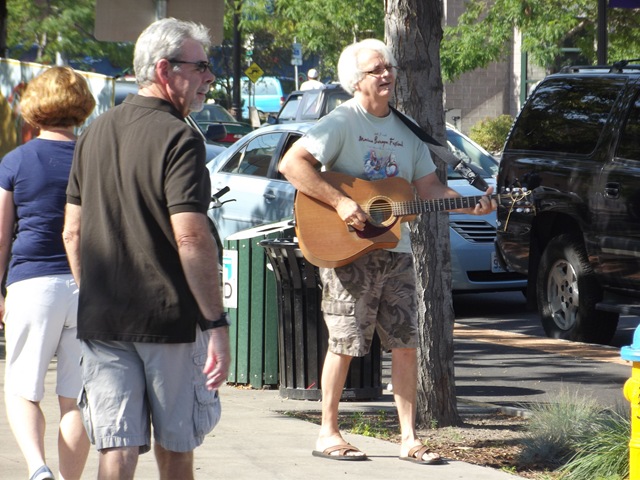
{"points": [[612, 190], [269, 195]]}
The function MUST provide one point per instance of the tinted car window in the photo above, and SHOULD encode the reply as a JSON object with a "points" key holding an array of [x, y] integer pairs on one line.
{"points": [[566, 115], [311, 108], [212, 113], [288, 112], [256, 157], [629, 146], [336, 100], [471, 154]]}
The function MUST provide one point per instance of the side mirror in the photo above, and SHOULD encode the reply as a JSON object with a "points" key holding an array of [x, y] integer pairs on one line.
{"points": [[271, 119], [215, 132]]}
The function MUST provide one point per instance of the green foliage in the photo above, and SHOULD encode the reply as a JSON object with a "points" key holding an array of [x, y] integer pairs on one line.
{"points": [[604, 454], [485, 30], [323, 27], [574, 435], [369, 425], [60, 26], [491, 133], [555, 428]]}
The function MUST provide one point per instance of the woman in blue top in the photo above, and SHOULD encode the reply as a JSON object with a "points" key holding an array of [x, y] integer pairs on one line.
{"points": [[39, 315]]}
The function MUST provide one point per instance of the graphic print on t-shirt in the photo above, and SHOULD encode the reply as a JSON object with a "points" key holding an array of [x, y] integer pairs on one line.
{"points": [[380, 158]]}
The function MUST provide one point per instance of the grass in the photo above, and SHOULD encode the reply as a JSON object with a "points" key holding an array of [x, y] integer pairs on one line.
{"points": [[371, 425], [378, 425], [604, 454], [554, 428], [575, 436]]}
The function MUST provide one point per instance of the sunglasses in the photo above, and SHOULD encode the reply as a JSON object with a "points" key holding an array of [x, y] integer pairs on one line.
{"points": [[379, 71], [201, 66]]}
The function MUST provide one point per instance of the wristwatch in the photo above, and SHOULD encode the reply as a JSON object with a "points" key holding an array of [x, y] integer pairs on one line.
{"points": [[223, 321]]}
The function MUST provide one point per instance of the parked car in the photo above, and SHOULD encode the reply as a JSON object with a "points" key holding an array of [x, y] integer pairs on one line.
{"points": [[576, 147], [263, 196], [212, 136], [213, 114], [309, 105]]}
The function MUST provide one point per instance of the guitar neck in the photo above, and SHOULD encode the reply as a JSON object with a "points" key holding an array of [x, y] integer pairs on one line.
{"points": [[416, 207]]}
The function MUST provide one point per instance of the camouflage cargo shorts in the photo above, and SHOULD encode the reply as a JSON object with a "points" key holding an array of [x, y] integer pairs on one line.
{"points": [[375, 292]]}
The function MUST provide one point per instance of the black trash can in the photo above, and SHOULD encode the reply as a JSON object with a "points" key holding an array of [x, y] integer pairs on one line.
{"points": [[302, 333]]}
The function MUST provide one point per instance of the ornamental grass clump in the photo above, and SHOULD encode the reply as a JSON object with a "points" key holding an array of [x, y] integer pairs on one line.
{"points": [[555, 427], [604, 454]]}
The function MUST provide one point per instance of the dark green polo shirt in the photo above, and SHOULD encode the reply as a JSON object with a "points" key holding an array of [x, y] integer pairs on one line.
{"points": [[134, 166]]}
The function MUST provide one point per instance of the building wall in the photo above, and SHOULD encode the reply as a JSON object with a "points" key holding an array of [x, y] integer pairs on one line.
{"points": [[482, 93]]}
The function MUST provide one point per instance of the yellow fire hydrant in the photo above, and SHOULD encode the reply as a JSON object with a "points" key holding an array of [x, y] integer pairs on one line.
{"points": [[632, 394]]}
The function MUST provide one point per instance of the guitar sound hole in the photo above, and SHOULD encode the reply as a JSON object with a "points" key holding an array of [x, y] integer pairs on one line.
{"points": [[379, 211]]}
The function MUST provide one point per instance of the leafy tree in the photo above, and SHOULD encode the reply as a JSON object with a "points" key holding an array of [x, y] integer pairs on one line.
{"points": [[60, 26], [485, 31], [324, 27]]}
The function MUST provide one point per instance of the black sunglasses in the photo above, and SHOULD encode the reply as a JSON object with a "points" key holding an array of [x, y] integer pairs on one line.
{"points": [[201, 66]]}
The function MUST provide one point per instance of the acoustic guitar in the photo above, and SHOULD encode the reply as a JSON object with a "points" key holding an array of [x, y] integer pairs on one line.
{"points": [[326, 241]]}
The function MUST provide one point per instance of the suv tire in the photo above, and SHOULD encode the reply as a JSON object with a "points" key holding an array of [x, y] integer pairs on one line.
{"points": [[567, 294]]}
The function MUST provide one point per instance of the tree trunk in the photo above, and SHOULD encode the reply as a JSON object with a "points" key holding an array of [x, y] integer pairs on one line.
{"points": [[414, 30]]}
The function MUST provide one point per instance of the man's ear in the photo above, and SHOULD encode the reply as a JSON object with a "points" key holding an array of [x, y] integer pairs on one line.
{"points": [[162, 70]]}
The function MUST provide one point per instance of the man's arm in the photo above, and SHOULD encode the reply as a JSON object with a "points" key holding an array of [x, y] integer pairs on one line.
{"points": [[71, 238], [299, 166], [199, 258]]}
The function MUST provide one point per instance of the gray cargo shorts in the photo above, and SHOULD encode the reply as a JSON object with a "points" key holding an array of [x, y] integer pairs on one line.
{"points": [[129, 386], [375, 292]]}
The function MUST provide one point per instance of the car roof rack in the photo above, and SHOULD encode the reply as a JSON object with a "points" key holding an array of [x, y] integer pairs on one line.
{"points": [[618, 67]]}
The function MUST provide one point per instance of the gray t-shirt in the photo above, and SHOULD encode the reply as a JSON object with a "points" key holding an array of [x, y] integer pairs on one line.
{"points": [[352, 141]]}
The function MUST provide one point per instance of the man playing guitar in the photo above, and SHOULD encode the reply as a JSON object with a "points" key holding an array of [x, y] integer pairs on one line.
{"points": [[376, 291]]}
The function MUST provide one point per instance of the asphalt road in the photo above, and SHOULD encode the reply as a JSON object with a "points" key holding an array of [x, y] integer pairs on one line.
{"points": [[503, 357]]}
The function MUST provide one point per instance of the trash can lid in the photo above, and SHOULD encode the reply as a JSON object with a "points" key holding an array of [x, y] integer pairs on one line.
{"points": [[261, 230]]}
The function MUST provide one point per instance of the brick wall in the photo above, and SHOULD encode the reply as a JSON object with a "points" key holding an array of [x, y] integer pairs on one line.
{"points": [[483, 93]]}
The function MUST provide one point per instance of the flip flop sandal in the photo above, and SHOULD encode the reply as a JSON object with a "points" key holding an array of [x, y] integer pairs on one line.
{"points": [[342, 453], [416, 454]]}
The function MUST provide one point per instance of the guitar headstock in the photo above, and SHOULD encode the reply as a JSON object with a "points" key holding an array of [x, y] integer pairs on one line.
{"points": [[518, 199]]}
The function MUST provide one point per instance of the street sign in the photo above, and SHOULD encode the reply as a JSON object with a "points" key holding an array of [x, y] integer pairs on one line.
{"points": [[254, 72], [296, 51], [296, 54]]}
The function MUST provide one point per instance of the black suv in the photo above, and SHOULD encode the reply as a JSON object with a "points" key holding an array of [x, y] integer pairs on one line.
{"points": [[575, 147], [310, 105]]}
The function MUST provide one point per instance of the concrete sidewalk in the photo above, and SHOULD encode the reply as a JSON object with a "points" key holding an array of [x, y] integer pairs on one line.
{"points": [[255, 439]]}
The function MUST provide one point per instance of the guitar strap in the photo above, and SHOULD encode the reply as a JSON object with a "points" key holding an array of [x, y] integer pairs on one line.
{"points": [[467, 171]]}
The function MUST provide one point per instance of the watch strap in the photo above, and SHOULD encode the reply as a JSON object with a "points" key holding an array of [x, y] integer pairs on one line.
{"points": [[223, 321]]}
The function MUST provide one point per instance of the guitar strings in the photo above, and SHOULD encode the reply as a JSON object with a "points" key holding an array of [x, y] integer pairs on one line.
{"points": [[418, 205], [408, 207]]}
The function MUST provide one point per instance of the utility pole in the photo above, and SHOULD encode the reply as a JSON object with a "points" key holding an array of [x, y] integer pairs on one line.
{"points": [[602, 38], [237, 43], [3, 28]]}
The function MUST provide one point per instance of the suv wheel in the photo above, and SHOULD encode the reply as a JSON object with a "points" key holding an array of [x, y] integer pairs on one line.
{"points": [[567, 293]]}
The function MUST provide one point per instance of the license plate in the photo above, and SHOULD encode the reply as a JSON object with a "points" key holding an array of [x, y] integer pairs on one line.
{"points": [[495, 264]]}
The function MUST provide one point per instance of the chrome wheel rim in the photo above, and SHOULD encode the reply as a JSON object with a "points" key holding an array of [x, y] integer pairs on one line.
{"points": [[562, 294]]}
